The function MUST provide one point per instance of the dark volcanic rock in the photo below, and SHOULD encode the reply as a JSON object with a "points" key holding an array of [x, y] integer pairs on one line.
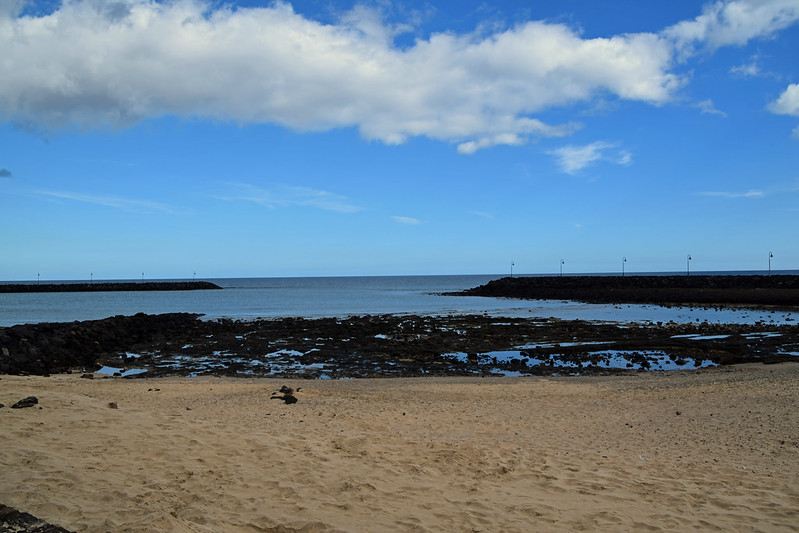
{"points": [[48, 348], [382, 346], [12, 520], [30, 401]]}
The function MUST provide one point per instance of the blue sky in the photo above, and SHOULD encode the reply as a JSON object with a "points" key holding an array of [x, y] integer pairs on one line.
{"points": [[316, 138]]}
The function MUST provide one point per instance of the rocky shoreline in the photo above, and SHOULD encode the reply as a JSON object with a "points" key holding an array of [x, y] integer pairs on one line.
{"points": [[109, 286], [181, 344], [778, 290]]}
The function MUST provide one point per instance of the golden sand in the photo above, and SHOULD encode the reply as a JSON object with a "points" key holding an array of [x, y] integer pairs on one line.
{"points": [[714, 449]]}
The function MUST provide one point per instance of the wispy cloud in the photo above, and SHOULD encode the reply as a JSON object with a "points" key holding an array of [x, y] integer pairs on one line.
{"points": [[5, 173], [406, 220], [746, 70], [127, 204], [707, 106], [573, 159], [482, 214], [290, 196], [747, 194]]}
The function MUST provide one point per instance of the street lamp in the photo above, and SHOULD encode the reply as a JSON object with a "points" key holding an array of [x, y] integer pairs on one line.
{"points": [[561, 266], [623, 260], [688, 265], [511, 269], [770, 255]]}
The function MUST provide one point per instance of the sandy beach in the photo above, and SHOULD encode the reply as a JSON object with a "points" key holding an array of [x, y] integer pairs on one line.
{"points": [[715, 449]]}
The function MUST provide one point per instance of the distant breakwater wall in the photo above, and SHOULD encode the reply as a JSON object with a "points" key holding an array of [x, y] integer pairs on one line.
{"points": [[109, 286], [778, 290]]}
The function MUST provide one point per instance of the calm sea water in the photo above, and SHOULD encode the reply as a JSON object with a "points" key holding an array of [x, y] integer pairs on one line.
{"points": [[249, 298]]}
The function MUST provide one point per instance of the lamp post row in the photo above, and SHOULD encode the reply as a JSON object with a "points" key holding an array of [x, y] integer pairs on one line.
{"points": [[624, 261]]}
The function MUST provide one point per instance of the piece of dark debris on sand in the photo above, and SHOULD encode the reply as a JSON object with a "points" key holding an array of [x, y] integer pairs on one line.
{"points": [[286, 394]]}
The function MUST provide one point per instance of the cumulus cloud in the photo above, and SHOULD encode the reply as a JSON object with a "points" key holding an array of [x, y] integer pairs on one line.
{"points": [[95, 64], [734, 22], [788, 102], [572, 159], [290, 196], [5, 173]]}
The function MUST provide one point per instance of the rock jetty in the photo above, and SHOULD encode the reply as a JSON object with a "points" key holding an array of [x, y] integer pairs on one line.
{"points": [[109, 286], [777, 290]]}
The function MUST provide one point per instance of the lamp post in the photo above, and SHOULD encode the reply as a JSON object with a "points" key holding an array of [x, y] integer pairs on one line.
{"points": [[561, 267], [623, 260], [688, 266], [770, 255], [511, 269]]}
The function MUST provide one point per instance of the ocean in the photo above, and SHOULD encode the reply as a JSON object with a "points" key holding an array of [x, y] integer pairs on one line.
{"points": [[314, 297]]}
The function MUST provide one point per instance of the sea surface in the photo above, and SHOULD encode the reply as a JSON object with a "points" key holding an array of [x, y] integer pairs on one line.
{"points": [[251, 298]]}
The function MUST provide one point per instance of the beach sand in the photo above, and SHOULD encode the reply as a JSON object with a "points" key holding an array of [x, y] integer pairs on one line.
{"points": [[716, 449]]}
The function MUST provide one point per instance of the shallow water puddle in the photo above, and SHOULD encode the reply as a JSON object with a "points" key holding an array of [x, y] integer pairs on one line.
{"points": [[608, 359], [698, 337], [762, 335], [120, 372]]}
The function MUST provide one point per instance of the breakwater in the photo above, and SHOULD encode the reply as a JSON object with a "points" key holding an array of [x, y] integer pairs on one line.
{"points": [[782, 290], [109, 286]]}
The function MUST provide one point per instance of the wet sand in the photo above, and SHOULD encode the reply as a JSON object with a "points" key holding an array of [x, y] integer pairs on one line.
{"points": [[715, 449]]}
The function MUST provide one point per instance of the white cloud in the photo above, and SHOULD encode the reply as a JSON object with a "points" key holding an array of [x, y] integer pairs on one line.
{"points": [[746, 70], [406, 220], [623, 158], [93, 64], [116, 202], [290, 196], [795, 133], [788, 102], [707, 106], [732, 22], [572, 159], [748, 194]]}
